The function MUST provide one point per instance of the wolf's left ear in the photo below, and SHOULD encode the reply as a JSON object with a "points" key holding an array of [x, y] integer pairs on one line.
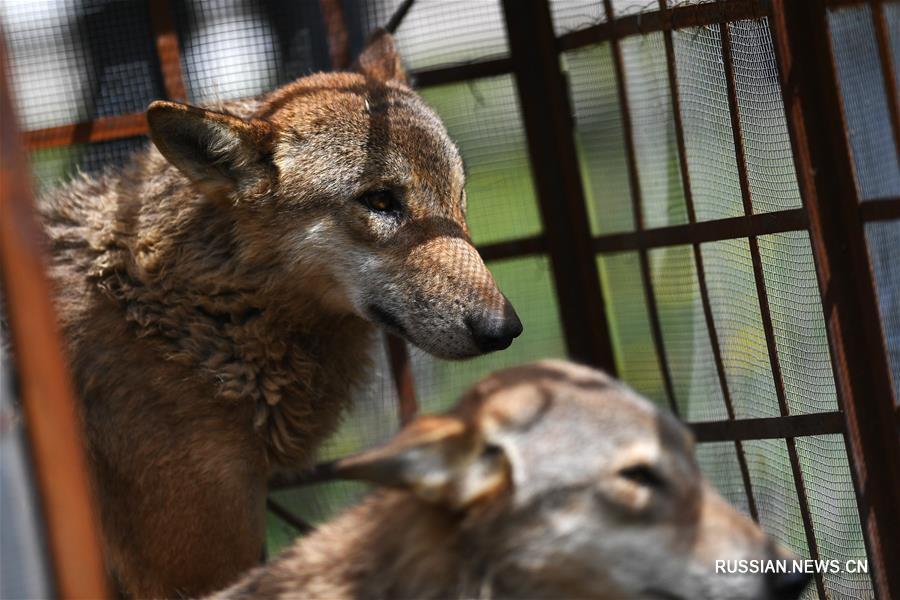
{"points": [[438, 458], [380, 59], [220, 153]]}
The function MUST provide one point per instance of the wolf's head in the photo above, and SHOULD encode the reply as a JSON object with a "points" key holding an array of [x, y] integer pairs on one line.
{"points": [[349, 183], [564, 483]]}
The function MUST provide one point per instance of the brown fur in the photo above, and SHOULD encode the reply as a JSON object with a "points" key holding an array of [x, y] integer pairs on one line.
{"points": [[547, 481], [217, 297]]}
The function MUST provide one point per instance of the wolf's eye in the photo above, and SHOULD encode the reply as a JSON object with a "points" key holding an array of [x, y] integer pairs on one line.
{"points": [[643, 475], [381, 201]]}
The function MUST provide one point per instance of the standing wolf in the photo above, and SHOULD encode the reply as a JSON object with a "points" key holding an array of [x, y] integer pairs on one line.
{"points": [[219, 295]]}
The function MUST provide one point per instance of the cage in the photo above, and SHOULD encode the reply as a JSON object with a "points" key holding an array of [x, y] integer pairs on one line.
{"points": [[702, 197]]}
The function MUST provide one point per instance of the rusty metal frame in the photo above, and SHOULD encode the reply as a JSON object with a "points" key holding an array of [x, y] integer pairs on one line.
{"points": [[48, 402], [546, 112], [827, 181]]}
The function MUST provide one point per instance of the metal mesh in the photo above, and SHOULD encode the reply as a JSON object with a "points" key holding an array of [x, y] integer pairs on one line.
{"points": [[436, 32], [832, 505], [73, 61], [865, 102], [719, 463], [600, 138], [767, 146], [797, 322], [655, 147], [239, 48], [626, 311], [569, 15], [623, 8], [55, 165], [735, 308], [892, 15], [698, 392], [527, 282], [707, 125], [884, 248], [483, 118], [775, 493]]}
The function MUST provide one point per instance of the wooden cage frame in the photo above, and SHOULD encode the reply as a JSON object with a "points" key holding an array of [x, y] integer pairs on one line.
{"points": [[831, 213]]}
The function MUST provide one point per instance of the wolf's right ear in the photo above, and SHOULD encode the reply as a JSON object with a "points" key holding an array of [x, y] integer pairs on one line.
{"points": [[221, 154], [380, 59], [439, 458]]}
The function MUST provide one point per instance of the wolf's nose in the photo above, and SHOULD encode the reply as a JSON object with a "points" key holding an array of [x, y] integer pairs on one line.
{"points": [[787, 586], [495, 329]]}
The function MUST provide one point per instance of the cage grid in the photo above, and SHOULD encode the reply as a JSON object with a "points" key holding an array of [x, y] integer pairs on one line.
{"points": [[706, 200]]}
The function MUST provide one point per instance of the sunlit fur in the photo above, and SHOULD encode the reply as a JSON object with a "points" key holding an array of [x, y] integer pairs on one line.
{"points": [[216, 297], [552, 517]]}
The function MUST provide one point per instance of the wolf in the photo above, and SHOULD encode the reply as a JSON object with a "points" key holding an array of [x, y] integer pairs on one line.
{"points": [[548, 480], [219, 296]]}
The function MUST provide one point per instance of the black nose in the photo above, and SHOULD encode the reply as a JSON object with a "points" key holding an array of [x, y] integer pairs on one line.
{"points": [[787, 586], [495, 329]]}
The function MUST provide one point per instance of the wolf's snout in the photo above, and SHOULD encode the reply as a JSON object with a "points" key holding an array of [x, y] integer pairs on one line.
{"points": [[787, 586], [494, 329]]}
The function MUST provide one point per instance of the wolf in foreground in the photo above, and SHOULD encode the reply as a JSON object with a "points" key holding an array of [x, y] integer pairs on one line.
{"points": [[548, 480], [220, 293]]}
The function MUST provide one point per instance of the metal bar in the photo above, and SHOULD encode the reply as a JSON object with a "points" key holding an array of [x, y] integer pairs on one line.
{"points": [[48, 402], [826, 178], [769, 427], [698, 258], [763, 299], [519, 248], [336, 28], [880, 209], [98, 130], [704, 231], [398, 355], [167, 49], [398, 16], [133, 124], [282, 512], [688, 15], [634, 179], [554, 162], [462, 72], [882, 34]]}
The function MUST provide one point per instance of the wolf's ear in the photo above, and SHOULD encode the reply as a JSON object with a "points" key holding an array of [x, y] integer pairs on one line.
{"points": [[380, 59], [438, 458], [221, 154]]}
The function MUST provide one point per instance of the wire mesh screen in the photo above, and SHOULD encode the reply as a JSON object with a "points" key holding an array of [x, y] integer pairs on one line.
{"points": [[443, 33], [599, 137], [77, 60], [237, 48], [484, 120], [741, 328]]}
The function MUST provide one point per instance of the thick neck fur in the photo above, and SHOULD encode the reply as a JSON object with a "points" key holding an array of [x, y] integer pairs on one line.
{"points": [[177, 266], [390, 546]]}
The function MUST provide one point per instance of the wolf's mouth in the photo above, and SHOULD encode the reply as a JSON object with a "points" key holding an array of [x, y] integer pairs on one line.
{"points": [[386, 319]]}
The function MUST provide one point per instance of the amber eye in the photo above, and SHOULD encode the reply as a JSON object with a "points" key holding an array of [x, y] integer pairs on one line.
{"points": [[381, 201]]}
